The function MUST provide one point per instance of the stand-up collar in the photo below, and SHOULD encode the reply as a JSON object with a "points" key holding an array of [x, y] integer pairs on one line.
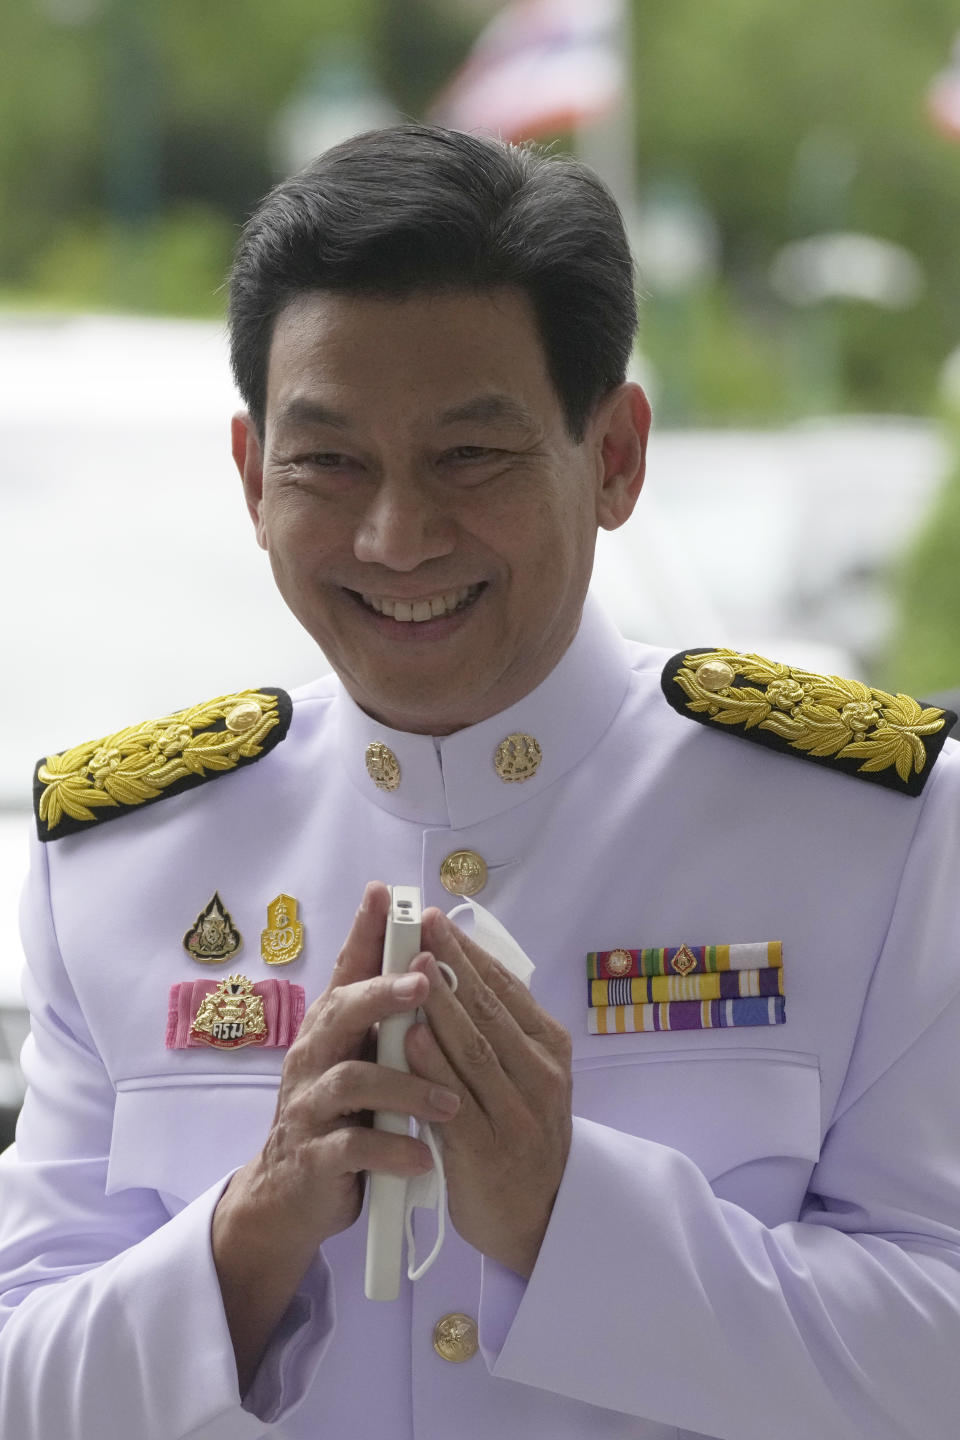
{"points": [[462, 779]]}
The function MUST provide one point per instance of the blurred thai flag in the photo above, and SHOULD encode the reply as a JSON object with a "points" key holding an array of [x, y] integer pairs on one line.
{"points": [[943, 97], [541, 67]]}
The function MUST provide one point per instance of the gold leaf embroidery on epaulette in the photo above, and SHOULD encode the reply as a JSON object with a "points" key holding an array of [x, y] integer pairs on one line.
{"points": [[140, 762], [823, 715]]}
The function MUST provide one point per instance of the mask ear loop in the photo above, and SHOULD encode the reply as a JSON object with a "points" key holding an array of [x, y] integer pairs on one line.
{"points": [[449, 975], [414, 1271]]}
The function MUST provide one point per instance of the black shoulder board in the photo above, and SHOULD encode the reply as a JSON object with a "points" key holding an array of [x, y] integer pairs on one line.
{"points": [[107, 778], [892, 740]]}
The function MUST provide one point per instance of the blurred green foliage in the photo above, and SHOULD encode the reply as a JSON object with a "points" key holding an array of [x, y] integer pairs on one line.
{"points": [[144, 116], [136, 134], [801, 117], [713, 358], [924, 652], [173, 266]]}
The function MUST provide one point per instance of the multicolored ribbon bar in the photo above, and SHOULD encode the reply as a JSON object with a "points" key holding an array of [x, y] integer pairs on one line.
{"points": [[660, 989], [683, 960], [685, 1015]]}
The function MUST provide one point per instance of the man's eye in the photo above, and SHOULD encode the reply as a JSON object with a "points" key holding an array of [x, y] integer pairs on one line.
{"points": [[327, 460], [324, 462], [471, 452]]}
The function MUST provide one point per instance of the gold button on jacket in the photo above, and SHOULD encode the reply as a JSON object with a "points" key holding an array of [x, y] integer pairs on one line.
{"points": [[455, 1338], [463, 872]]}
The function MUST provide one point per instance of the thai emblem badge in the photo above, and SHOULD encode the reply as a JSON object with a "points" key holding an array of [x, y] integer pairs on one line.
{"points": [[213, 936], [684, 961], [230, 1016], [282, 940]]}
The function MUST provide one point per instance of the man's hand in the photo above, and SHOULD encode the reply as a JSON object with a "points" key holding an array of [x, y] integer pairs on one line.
{"points": [[509, 1061], [307, 1182]]}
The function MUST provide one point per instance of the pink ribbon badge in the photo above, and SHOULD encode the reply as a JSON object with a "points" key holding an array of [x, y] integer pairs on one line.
{"points": [[231, 1013]]}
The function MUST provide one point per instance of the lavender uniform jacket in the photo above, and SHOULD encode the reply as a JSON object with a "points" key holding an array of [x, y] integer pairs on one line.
{"points": [[757, 1233]]}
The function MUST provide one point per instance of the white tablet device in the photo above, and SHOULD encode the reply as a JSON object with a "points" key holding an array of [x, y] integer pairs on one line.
{"points": [[388, 1192]]}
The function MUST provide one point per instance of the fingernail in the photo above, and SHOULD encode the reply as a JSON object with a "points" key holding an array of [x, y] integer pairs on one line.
{"points": [[444, 1100], [406, 986]]}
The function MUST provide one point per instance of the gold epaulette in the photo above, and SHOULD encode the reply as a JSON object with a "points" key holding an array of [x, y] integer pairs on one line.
{"points": [[892, 740], [107, 778]]}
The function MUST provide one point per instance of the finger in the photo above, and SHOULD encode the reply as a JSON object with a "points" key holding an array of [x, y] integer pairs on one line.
{"points": [[469, 1051], [350, 1150], [428, 1061], [514, 995], [362, 952], [532, 1065], [472, 1127], [355, 1086], [480, 1000], [340, 1021]]}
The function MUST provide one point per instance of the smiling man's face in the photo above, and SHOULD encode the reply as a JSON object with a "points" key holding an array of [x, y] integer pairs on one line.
{"points": [[428, 518]]}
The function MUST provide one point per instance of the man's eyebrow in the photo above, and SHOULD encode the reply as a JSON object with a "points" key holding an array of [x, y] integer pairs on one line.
{"points": [[301, 411], [488, 409], [482, 409]]}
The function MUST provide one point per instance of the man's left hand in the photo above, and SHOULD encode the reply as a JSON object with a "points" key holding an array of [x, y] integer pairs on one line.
{"points": [[509, 1061]]}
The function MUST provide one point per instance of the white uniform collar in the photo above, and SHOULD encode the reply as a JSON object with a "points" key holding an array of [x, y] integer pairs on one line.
{"points": [[452, 780]]}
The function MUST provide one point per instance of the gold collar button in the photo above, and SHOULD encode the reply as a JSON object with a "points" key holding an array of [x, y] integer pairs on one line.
{"points": [[517, 757], [383, 767]]}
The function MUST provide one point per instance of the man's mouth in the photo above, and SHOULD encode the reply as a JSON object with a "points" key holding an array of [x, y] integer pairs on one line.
{"points": [[430, 607]]}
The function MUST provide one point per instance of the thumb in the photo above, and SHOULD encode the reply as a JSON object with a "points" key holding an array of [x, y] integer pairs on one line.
{"points": [[362, 953]]}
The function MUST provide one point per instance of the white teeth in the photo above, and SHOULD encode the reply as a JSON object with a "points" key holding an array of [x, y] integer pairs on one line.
{"points": [[419, 610]]}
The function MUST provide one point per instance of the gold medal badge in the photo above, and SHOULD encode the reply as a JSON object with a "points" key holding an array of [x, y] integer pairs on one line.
{"points": [[213, 937], [282, 941], [232, 1015]]}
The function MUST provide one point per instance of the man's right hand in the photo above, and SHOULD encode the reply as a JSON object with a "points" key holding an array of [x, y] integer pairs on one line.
{"points": [[307, 1182]]}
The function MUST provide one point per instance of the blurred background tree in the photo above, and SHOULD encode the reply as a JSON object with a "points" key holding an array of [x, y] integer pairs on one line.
{"points": [[135, 135]]}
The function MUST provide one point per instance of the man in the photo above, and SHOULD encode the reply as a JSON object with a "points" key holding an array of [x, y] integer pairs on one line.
{"points": [[711, 1192]]}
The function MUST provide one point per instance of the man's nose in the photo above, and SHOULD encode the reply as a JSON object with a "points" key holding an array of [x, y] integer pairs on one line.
{"points": [[403, 526]]}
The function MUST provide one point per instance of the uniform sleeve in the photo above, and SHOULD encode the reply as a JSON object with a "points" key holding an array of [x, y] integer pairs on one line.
{"points": [[111, 1321], [684, 1308]]}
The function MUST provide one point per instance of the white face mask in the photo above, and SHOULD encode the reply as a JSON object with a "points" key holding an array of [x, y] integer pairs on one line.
{"points": [[429, 1192]]}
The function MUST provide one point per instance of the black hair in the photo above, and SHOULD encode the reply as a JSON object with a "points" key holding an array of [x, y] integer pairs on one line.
{"points": [[419, 208]]}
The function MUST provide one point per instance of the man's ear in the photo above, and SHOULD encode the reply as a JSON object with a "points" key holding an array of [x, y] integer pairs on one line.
{"points": [[248, 458], [623, 420]]}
